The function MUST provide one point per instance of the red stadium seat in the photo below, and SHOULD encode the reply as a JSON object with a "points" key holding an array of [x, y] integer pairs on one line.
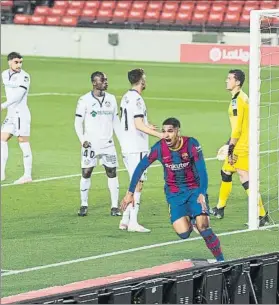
{"points": [[107, 5], [91, 4], [139, 5], [234, 7], [52, 20], [250, 5], [186, 6], [120, 15], [202, 6], [184, 17], [89, 12], [39, 20], [6, 4], [231, 19], [136, 16], [155, 6], [123, 5], [215, 18], [41, 11], [76, 12], [57, 11], [104, 15], [199, 18], [152, 16], [68, 21], [219, 7], [267, 5], [21, 19], [77, 4], [244, 20], [170, 6], [61, 4], [167, 17]]}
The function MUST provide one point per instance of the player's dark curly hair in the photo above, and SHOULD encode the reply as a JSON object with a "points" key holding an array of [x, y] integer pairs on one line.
{"points": [[13, 55], [134, 76], [97, 73], [172, 121], [238, 75]]}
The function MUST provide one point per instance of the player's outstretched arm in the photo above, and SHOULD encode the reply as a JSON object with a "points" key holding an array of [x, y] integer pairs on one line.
{"points": [[140, 125], [142, 166], [79, 118], [197, 155]]}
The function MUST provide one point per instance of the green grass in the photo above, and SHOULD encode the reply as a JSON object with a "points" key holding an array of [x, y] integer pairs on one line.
{"points": [[39, 221]]}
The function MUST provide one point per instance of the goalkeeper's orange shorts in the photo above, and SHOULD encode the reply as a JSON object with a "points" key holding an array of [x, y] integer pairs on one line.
{"points": [[240, 162]]}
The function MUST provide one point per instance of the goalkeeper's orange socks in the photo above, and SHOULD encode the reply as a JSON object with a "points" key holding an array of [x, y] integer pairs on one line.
{"points": [[262, 212], [225, 190]]}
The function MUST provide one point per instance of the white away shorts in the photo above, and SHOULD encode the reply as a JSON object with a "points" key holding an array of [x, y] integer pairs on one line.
{"points": [[17, 126], [107, 157], [132, 160]]}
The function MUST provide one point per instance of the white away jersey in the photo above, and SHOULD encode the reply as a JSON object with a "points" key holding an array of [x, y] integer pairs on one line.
{"points": [[133, 106], [100, 117], [11, 81]]}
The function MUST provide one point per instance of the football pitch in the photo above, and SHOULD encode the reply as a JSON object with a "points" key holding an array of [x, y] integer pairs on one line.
{"points": [[45, 243]]}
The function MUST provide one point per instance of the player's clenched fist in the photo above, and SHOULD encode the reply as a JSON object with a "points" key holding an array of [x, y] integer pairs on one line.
{"points": [[129, 198]]}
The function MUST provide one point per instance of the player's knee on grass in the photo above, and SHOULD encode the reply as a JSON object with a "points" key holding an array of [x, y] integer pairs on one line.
{"points": [[202, 222], [185, 235], [243, 176], [23, 139], [5, 137], [226, 177], [111, 171], [87, 172]]}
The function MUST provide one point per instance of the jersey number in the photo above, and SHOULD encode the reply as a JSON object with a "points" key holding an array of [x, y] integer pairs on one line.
{"points": [[92, 153], [126, 117]]}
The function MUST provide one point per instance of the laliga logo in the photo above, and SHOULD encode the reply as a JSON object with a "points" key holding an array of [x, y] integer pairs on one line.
{"points": [[217, 54]]}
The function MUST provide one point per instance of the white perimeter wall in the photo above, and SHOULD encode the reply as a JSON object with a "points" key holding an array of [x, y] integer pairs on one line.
{"points": [[93, 43]]}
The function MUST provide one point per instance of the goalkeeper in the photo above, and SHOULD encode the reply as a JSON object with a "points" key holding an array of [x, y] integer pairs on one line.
{"points": [[236, 152]]}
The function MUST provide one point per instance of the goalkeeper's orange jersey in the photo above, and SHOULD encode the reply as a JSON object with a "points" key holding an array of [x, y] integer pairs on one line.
{"points": [[239, 119]]}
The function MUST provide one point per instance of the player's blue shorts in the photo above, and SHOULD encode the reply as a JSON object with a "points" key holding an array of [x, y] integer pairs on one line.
{"points": [[186, 204]]}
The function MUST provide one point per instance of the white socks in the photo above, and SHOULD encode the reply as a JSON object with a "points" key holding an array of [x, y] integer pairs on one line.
{"points": [[113, 186], [84, 189], [27, 158], [135, 210], [4, 157]]}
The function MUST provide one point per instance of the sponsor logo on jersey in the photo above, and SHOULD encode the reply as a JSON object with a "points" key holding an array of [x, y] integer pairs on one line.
{"points": [[107, 103], [176, 167]]}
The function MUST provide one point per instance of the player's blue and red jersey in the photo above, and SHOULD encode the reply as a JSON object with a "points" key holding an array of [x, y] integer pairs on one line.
{"points": [[184, 168]]}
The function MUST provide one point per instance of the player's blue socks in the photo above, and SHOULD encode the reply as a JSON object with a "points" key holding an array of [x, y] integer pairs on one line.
{"points": [[213, 244]]}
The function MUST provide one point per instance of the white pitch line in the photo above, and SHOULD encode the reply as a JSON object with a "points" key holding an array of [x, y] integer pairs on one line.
{"points": [[119, 96], [77, 175], [115, 253], [119, 170]]}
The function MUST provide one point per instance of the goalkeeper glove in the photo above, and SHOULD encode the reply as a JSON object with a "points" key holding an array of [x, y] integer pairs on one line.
{"points": [[223, 152]]}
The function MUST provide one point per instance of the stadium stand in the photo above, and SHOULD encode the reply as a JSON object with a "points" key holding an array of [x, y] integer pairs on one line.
{"points": [[171, 15]]}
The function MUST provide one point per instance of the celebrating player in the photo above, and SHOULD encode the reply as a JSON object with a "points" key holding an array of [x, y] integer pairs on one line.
{"points": [[236, 152], [185, 183], [96, 119], [18, 119], [135, 130]]}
